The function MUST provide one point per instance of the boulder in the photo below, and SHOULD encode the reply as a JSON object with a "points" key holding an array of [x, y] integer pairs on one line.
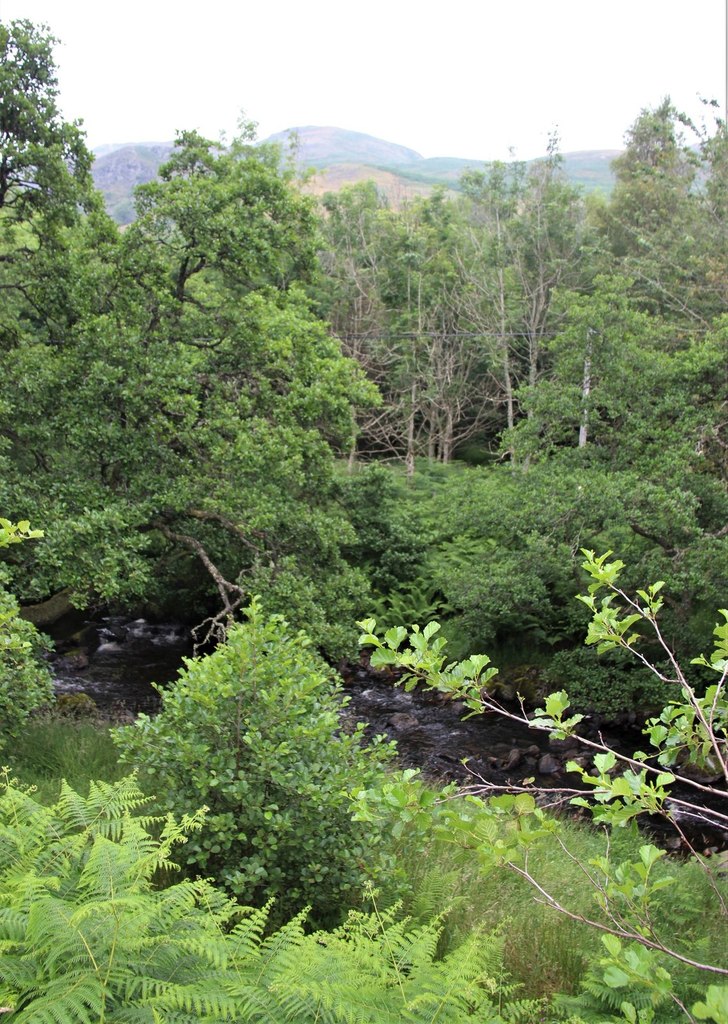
{"points": [[401, 721], [514, 759], [548, 765], [45, 613]]}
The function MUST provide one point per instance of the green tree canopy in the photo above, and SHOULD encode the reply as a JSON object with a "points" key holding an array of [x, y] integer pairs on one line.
{"points": [[171, 407], [45, 167]]}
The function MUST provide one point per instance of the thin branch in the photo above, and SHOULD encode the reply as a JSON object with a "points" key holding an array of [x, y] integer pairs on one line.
{"points": [[633, 936], [231, 593], [493, 706], [204, 516]]}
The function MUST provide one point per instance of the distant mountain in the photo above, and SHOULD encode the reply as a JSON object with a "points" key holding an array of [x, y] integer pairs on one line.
{"points": [[117, 170], [322, 147], [328, 148], [591, 169], [338, 157]]}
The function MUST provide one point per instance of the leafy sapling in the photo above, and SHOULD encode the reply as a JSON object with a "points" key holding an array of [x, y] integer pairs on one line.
{"points": [[691, 730]]}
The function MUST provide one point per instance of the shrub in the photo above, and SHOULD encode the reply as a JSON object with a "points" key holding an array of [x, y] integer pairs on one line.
{"points": [[608, 684], [690, 735], [88, 935], [253, 732], [391, 534], [25, 682]]}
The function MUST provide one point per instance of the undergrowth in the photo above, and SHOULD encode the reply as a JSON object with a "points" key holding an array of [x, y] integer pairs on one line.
{"points": [[87, 937], [51, 749], [546, 952]]}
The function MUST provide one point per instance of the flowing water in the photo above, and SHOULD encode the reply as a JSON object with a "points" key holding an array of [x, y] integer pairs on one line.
{"points": [[115, 661]]}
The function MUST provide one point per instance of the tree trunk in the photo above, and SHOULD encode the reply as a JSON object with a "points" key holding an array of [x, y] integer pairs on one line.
{"points": [[410, 459], [585, 391], [447, 440], [505, 351]]}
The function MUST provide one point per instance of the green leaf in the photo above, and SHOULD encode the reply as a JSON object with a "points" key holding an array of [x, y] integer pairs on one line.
{"points": [[715, 1005], [524, 804], [628, 1012], [615, 977], [605, 762], [649, 855], [394, 637], [556, 704]]}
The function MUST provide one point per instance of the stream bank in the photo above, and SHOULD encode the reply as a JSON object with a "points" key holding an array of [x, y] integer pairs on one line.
{"points": [[115, 660]]}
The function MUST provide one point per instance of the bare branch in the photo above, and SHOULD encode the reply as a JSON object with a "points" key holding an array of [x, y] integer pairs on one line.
{"points": [[216, 517]]}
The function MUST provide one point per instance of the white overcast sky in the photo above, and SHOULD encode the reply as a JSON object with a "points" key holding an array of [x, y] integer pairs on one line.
{"points": [[468, 78]]}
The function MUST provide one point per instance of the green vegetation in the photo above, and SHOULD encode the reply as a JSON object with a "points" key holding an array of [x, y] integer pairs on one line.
{"points": [[243, 394], [55, 747], [87, 936], [222, 399], [690, 735], [548, 954], [25, 683], [253, 733]]}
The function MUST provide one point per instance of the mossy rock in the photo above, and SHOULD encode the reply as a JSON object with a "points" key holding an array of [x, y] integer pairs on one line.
{"points": [[45, 613], [75, 705], [524, 680]]}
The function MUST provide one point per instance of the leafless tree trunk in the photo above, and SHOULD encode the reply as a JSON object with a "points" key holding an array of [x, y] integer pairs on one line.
{"points": [[585, 391]]}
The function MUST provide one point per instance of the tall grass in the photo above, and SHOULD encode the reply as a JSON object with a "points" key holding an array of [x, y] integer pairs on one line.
{"points": [[51, 749], [545, 951]]}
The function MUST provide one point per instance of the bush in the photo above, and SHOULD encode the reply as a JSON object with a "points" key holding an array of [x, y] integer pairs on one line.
{"points": [[391, 533], [253, 731], [25, 683], [610, 684]]}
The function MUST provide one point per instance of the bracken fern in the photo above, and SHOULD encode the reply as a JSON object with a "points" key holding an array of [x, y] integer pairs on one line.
{"points": [[86, 938]]}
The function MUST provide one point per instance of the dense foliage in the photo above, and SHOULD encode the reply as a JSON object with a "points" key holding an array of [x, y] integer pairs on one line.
{"points": [[584, 345], [687, 745], [173, 402], [25, 682], [170, 407], [86, 936], [253, 733], [199, 409]]}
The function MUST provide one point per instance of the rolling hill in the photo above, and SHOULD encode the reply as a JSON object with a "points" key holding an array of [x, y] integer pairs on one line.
{"points": [[337, 157]]}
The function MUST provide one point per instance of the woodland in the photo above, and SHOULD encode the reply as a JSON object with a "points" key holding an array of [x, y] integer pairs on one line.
{"points": [[305, 426]]}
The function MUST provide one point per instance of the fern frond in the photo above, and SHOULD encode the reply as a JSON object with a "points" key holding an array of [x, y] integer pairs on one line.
{"points": [[76, 1000], [17, 975], [201, 1001], [106, 808], [435, 893], [13, 923], [523, 1011], [84, 936]]}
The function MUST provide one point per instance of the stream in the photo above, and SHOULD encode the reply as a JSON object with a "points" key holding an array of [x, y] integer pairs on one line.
{"points": [[115, 661]]}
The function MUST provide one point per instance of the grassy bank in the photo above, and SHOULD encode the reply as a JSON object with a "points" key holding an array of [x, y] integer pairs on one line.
{"points": [[52, 749], [546, 953]]}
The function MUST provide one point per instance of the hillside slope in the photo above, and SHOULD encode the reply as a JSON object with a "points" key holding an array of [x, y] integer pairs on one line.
{"points": [[338, 157], [321, 147], [117, 173]]}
